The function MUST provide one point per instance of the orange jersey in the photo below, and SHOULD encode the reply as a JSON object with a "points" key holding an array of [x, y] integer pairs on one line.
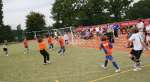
{"points": [[50, 40], [25, 42], [107, 47], [42, 46], [61, 42]]}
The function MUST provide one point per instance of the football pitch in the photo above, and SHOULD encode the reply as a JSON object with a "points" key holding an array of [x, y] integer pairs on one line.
{"points": [[78, 65]]}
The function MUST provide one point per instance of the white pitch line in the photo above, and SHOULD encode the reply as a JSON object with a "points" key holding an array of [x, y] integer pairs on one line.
{"points": [[116, 74]]}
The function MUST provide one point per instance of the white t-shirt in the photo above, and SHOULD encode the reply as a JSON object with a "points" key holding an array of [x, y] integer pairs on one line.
{"points": [[4, 46], [140, 26], [66, 37], [137, 38]]}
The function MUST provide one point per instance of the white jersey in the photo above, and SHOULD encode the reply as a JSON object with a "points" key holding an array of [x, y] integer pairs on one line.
{"points": [[137, 39], [66, 37], [4, 46]]}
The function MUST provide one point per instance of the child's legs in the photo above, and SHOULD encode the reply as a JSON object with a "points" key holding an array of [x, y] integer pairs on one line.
{"points": [[5, 51], [47, 55], [132, 53], [137, 56], [52, 46], [63, 49], [60, 50], [106, 62], [110, 58], [44, 55], [27, 49]]}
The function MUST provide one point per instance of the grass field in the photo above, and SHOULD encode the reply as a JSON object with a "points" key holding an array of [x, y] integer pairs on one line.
{"points": [[78, 65]]}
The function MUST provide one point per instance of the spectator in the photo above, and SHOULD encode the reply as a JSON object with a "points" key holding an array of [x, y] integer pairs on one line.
{"points": [[116, 29]]}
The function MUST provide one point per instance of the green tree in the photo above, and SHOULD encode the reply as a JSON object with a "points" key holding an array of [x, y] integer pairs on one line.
{"points": [[1, 13], [35, 22], [19, 33], [93, 12], [118, 8], [5, 30], [77, 12], [63, 13], [1, 21], [140, 9], [6, 34]]}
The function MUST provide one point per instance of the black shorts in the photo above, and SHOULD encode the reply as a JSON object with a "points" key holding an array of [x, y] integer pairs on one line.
{"points": [[26, 46], [136, 53], [43, 52], [5, 49]]}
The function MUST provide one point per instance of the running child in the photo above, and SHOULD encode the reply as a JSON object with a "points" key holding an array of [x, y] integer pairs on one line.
{"points": [[107, 48], [43, 52], [25, 42], [50, 42], [62, 46], [138, 46], [5, 49]]}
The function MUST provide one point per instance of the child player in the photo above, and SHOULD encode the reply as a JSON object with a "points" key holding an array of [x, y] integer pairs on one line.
{"points": [[43, 52], [25, 42], [5, 49], [62, 45], [50, 42], [107, 48]]}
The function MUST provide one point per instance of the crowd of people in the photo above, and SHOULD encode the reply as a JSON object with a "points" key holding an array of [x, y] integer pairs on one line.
{"points": [[111, 31]]}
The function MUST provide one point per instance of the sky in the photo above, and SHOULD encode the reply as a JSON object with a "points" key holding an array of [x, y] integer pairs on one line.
{"points": [[15, 11]]}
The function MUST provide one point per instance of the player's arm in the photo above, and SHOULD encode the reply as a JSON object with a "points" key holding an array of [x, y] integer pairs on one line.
{"points": [[130, 41], [144, 44]]}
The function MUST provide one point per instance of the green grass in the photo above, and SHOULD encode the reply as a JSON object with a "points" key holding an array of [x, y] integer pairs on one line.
{"points": [[78, 65]]}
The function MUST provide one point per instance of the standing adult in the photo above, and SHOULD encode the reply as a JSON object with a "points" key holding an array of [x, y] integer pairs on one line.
{"points": [[97, 31], [110, 34], [116, 29]]}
